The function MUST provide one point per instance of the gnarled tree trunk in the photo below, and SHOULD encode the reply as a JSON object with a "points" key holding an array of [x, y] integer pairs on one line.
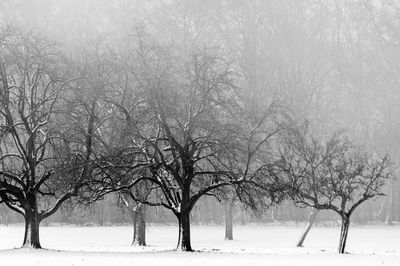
{"points": [[228, 207], [311, 219], [343, 233]]}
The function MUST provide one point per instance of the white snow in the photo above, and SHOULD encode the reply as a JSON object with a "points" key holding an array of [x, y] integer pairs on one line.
{"points": [[253, 245]]}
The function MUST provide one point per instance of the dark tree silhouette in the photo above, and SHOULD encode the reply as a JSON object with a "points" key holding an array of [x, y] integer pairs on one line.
{"points": [[182, 111], [335, 174], [36, 162]]}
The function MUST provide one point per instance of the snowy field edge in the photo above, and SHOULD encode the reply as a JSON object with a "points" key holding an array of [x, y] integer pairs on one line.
{"points": [[252, 245]]}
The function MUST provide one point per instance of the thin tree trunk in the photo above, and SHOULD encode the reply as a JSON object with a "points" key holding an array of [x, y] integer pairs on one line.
{"points": [[392, 205], [228, 220], [134, 224], [311, 219], [184, 231], [139, 237], [343, 233]]}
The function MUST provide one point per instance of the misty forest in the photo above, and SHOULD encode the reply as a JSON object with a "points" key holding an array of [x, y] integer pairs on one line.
{"points": [[238, 129]]}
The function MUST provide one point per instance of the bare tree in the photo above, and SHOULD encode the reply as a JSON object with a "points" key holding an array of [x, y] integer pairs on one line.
{"points": [[335, 175], [35, 158], [182, 111], [189, 132]]}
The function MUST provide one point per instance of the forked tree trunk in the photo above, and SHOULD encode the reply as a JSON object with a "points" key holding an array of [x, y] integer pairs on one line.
{"points": [[343, 233], [139, 232], [184, 243], [311, 219], [228, 220], [31, 236]]}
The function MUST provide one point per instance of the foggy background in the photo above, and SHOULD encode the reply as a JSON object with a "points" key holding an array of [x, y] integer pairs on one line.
{"points": [[337, 63]]}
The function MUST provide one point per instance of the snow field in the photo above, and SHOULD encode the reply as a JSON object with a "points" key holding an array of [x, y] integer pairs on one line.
{"points": [[253, 245]]}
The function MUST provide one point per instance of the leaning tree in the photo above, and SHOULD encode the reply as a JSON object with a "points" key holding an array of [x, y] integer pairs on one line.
{"points": [[334, 174]]}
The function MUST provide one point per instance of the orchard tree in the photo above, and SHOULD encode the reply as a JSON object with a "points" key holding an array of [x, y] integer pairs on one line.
{"points": [[191, 125], [36, 165], [55, 131], [182, 111], [332, 175]]}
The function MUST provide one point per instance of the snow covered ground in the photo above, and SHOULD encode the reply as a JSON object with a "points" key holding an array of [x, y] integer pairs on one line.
{"points": [[253, 245]]}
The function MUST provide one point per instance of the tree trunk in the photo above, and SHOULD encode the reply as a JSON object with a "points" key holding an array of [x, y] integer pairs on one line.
{"points": [[343, 233], [139, 236], [134, 224], [228, 220], [392, 205], [311, 219], [184, 231], [31, 236]]}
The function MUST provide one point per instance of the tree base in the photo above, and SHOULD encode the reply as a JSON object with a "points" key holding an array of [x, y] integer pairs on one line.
{"points": [[184, 249], [32, 246], [138, 244]]}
